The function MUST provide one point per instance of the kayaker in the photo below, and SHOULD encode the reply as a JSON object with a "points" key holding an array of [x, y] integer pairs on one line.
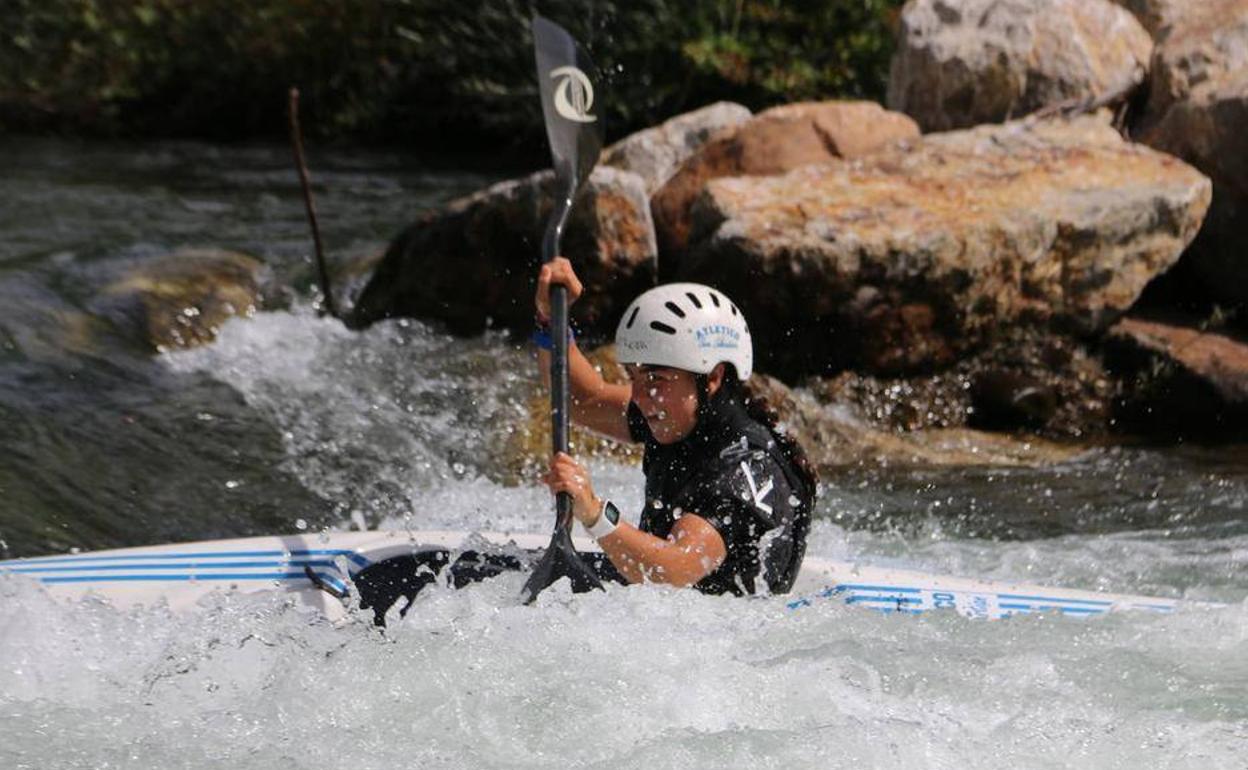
{"points": [[728, 495]]}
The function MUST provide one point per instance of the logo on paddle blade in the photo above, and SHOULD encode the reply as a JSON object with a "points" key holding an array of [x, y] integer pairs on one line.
{"points": [[574, 95]]}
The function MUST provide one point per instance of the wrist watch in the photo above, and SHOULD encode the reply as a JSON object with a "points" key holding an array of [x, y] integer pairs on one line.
{"points": [[608, 519]]}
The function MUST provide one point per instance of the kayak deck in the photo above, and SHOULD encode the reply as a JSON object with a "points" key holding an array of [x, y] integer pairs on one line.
{"points": [[320, 570]]}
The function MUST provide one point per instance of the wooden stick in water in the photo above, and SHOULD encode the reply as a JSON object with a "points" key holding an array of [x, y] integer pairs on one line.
{"points": [[296, 140]]}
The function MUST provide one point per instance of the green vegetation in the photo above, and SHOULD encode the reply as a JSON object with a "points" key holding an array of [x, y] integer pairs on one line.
{"points": [[414, 69]]}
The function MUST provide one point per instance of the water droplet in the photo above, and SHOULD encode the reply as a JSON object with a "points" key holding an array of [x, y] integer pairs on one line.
{"points": [[233, 484]]}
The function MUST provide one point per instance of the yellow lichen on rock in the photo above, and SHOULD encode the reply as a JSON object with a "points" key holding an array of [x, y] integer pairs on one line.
{"points": [[528, 444]]}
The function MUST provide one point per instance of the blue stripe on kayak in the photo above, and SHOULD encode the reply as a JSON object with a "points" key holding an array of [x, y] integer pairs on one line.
{"points": [[352, 555], [332, 581], [188, 565], [182, 577], [888, 599], [895, 589], [1047, 607], [1055, 599]]}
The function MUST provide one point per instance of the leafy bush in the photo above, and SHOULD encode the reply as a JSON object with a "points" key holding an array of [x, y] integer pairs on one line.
{"points": [[416, 69]]}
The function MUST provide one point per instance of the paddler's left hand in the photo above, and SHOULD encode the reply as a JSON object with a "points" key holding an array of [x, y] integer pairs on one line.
{"points": [[567, 475]]}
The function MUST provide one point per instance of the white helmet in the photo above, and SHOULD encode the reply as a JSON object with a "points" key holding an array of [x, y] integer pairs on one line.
{"points": [[685, 326]]}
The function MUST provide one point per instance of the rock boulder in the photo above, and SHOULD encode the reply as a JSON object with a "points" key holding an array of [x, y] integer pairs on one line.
{"points": [[180, 300], [474, 262], [1155, 15], [960, 63], [1181, 379], [775, 141], [1198, 111], [655, 153], [905, 260]]}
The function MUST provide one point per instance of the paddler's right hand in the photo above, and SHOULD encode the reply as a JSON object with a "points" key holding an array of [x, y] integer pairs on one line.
{"points": [[567, 475], [556, 271]]}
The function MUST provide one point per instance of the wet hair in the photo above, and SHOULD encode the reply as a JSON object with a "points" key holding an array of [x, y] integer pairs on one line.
{"points": [[761, 411]]}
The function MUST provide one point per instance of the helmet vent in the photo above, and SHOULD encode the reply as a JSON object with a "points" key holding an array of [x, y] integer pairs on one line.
{"points": [[672, 306], [715, 298], [632, 317], [659, 326], [734, 309], [694, 299]]}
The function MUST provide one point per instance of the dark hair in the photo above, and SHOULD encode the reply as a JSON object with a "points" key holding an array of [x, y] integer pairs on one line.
{"points": [[759, 409]]}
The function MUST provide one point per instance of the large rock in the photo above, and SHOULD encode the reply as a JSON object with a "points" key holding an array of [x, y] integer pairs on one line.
{"points": [[1182, 379], [655, 153], [474, 263], [775, 141], [180, 300], [1198, 111], [960, 63], [906, 259], [1155, 15]]}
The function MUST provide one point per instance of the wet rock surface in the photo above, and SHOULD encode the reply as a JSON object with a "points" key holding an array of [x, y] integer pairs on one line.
{"points": [[837, 422], [1180, 379], [180, 300], [836, 434], [1026, 380]]}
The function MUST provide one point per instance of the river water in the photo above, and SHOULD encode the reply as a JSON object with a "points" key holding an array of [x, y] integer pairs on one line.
{"points": [[289, 421]]}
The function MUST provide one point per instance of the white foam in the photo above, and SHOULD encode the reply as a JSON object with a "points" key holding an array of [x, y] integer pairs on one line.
{"points": [[632, 677], [643, 677]]}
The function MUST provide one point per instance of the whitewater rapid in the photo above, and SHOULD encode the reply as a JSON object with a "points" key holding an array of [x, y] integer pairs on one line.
{"points": [[401, 424]]}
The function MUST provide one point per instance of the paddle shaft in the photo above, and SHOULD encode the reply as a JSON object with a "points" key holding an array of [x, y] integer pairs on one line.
{"points": [[559, 400]]}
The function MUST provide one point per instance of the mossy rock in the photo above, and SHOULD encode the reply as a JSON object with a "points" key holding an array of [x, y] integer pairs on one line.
{"points": [[179, 301]]}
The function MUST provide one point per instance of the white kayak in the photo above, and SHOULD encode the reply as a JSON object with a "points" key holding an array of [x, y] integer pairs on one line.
{"points": [[383, 568]]}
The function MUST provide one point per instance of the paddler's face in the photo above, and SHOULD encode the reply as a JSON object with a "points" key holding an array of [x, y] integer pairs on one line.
{"points": [[667, 398]]}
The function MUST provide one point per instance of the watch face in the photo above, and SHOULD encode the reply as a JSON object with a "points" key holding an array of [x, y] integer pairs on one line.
{"points": [[611, 512]]}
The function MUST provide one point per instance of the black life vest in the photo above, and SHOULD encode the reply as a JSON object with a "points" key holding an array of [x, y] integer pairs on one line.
{"points": [[730, 471]]}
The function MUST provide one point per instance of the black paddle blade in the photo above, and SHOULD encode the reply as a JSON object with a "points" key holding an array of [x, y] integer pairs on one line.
{"points": [[568, 81], [560, 560]]}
